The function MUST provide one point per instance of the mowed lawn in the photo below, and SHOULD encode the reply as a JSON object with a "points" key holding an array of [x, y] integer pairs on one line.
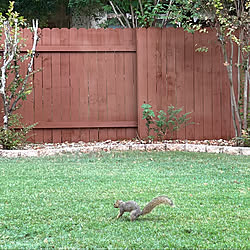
{"points": [[67, 201]]}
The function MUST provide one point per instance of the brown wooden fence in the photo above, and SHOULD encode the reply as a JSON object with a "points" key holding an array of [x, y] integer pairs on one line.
{"points": [[93, 83]]}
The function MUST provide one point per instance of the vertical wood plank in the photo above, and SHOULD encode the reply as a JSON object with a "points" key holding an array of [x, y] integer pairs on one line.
{"points": [[216, 90], [198, 87], [27, 108], [225, 95], [171, 74], [163, 90], [56, 86], [120, 92], [65, 83], [82, 71], [207, 81], [111, 86], [47, 84], [28, 105], [102, 94], [93, 134], [130, 92], [179, 68], [142, 79], [93, 87], [75, 80], [159, 62], [38, 97], [111, 92], [225, 100], [189, 82], [92, 95], [85, 135], [153, 37]]}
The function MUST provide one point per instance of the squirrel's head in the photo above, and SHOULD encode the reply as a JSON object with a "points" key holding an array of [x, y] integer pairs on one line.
{"points": [[117, 203]]}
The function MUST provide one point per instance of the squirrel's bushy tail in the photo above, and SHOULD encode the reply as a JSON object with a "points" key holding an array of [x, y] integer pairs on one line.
{"points": [[155, 202]]}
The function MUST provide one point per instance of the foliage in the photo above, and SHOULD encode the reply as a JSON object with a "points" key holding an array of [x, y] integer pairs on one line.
{"points": [[164, 123], [14, 86], [16, 135], [88, 7], [151, 12], [244, 140], [149, 115], [141, 13], [62, 202], [35, 9]]}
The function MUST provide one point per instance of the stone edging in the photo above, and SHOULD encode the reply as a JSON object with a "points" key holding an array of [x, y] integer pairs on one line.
{"points": [[124, 147]]}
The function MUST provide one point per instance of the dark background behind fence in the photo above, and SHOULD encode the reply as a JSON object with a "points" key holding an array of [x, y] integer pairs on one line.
{"points": [[93, 83]]}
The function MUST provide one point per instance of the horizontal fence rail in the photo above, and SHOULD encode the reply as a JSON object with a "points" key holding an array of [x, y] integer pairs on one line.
{"points": [[90, 84]]}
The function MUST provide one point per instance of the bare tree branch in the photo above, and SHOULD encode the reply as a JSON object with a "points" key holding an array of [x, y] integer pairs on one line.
{"points": [[141, 8], [30, 65], [124, 17], [118, 17], [165, 21], [245, 99], [132, 15], [8, 55]]}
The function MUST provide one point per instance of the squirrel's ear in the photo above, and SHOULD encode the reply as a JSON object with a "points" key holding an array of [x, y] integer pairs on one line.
{"points": [[116, 204]]}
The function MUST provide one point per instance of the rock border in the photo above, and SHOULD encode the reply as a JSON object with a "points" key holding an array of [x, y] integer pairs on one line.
{"points": [[126, 147]]}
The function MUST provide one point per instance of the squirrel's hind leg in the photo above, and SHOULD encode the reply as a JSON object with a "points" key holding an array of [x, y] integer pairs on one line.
{"points": [[134, 215]]}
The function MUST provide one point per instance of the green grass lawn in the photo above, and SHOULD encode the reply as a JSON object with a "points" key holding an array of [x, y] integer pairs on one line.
{"points": [[67, 201]]}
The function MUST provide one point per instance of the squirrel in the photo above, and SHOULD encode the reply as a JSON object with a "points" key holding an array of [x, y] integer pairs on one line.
{"points": [[134, 209]]}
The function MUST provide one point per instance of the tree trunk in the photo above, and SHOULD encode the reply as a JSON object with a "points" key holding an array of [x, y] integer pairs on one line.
{"points": [[234, 104], [245, 95]]}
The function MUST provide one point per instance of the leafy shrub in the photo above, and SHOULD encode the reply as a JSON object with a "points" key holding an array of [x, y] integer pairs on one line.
{"points": [[16, 135], [244, 140], [164, 123]]}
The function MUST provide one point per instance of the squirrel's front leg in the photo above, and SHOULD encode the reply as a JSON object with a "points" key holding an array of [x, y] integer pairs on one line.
{"points": [[120, 214]]}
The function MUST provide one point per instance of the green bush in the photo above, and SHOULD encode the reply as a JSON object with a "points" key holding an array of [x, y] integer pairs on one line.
{"points": [[16, 135], [165, 122], [244, 140]]}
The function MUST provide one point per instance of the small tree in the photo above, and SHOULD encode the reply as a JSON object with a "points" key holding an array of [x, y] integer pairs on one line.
{"points": [[17, 89], [231, 20]]}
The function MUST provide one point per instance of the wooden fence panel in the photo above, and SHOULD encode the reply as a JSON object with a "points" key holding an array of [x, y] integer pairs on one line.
{"points": [[88, 84], [194, 80], [92, 83]]}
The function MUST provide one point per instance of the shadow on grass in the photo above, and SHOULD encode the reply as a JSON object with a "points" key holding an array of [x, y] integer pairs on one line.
{"points": [[143, 219]]}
